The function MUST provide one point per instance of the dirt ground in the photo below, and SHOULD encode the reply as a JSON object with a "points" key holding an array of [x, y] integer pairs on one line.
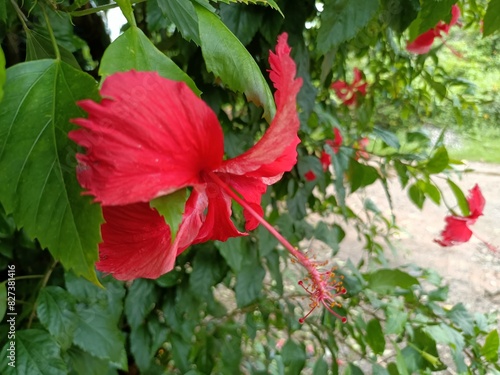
{"points": [[471, 270]]}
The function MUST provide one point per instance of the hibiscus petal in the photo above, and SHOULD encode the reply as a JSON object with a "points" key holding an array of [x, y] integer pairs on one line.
{"points": [[325, 160], [136, 243], [251, 189], [148, 137], [422, 44], [275, 153], [455, 232], [476, 202]]}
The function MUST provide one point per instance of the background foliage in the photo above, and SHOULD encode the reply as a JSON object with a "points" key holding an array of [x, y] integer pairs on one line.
{"points": [[233, 307]]}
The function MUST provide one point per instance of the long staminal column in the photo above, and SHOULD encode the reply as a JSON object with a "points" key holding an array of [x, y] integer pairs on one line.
{"points": [[321, 284]]}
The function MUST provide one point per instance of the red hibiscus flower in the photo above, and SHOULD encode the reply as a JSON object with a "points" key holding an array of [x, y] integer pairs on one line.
{"points": [[348, 93], [457, 227], [150, 136], [325, 160], [336, 142], [310, 176], [422, 44]]}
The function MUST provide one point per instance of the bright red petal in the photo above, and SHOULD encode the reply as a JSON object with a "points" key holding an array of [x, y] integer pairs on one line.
{"points": [[422, 44], [148, 137], [455, 15], [251, 189], [476, 202], [357, 76], [325, 160], [455, 232], [136, 243], [275, 153], [310, 176]]}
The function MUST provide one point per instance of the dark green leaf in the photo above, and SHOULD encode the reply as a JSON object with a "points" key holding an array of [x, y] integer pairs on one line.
{"points": [[56, 309], [232, 251], [208, 270], [133, 50], [171, 207], [439, 161], [399, 14], [183, 15], [2, 73], [432, 11], [462, 318], [379, 370], [320, 367], [242, 20], [340, 162], [385, 281], [97, 334], [444, 334], [38, 181], [492, 18], [460, 197], [361, 175], [294, 357], [231, 347], [83, 363], [39, 47], [389, 138], [3, 16], [352, 369], [240, 72], [332, 235], [180, 352], [402, 171], [375, 337], [249, 279], [341, 20], [273, 263], [140, 300], [36, 352], [3, 300], [140, 346], [267, 242], [490, 348]]}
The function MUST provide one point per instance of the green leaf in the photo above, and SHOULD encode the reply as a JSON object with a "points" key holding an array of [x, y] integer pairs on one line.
{"points": [[460, 197], [56, 309], [341, 20], [36, 352], [133, 50], [438, 87], [183, 15], [490, 348], [432, 11], [294, 357], [399, 14], [375, 337], [232, 251], [267, 242], [243, 21], [3, 16], [128, 12], [208, 270], [38, 182], [249, 279], [402, 171], [379, 370], [438, 162], [332, 235], [340, 162], [142, 347], [270, 3], [462, 318], [39, 47], [240, 72], [180, 352], [140, 301], [444, 334], [320, 367], [171, 207], [389, 138], [492, 18], [2, 73], [432, 192], [385, 281], [96, 333], [361, 175], [85, 364], [417, 195]]}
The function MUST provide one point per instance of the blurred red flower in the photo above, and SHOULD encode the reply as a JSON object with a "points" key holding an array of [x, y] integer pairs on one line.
{"points": [[360, 146], [422, 44], [457, 227], [336, 142], [151, 136], [325, 160], [310, 176], [348, 92]]}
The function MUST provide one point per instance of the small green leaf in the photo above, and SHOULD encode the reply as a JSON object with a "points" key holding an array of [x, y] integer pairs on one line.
{"points": [[243, 21], [432, 192], [171, 207], [133, 50], [385, 281], [340, 162], [332, 235], [341, 20], [2, 73], [128, 12], [140, 301], [294, 357], [38, 182], [438, 162], [492, 18], [490, 348], [417, 195], [232, 251], [208, 270], [438, 87], [379, 370], [320, 367], [399, 14], [249, 279], [39, 47], [183, 15], [85, 364], [389, 138], [361, 175], [460, 197], [240, 72], [375, 337], [462, 318], [36, 352], [56, 309], [180, 352]]}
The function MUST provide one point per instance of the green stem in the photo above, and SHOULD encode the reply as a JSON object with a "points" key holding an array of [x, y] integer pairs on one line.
{"points": [[27, 277], [21, 15], [43, 283], [52, 36], [85, 12]]}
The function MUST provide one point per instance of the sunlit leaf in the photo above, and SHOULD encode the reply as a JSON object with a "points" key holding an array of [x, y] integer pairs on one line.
{"points": [[492, 18], [171, 207], [386, 280], [460, 197], [490, 348]]}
